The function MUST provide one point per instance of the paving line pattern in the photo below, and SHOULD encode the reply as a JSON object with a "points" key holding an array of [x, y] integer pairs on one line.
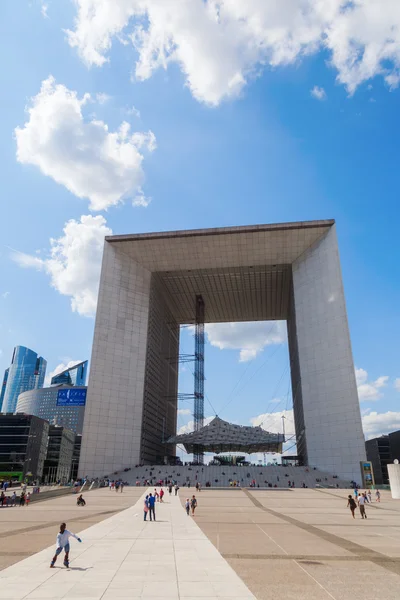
{"points": [[125, 557]]}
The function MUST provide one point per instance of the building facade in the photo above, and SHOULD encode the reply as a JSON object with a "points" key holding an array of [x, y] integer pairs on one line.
{"points": [[23, 446], [148, 288], [3, 387], [75, 375], [43, 403], [378, 453], [60, 450], [382, 451], [26, 372]]}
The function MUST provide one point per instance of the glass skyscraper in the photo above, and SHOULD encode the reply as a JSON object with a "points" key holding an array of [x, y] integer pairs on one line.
{"points": [[75, 375], [26, 372], [3, 387]]}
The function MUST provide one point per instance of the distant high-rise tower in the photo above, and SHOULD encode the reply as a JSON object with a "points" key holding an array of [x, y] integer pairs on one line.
{"points": [[3, 387], [26, 372], [75, 375]]}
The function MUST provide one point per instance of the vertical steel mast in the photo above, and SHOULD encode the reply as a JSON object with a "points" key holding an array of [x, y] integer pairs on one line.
{"points": [[199, 375]]}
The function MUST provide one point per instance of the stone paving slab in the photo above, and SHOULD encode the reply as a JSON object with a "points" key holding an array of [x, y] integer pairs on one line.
{"points": [[125, 557], [308, 547]]}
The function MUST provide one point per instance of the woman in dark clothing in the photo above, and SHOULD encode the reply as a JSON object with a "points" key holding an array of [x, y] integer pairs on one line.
{"points": [[351, 503]]}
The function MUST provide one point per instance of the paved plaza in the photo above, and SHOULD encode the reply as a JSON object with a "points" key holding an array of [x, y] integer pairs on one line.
{"points": [[264, 544]]}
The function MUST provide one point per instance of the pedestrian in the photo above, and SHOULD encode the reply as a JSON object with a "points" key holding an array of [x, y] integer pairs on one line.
{"points": [[378, 496], [110, 485], [151, 502], [121, 487], [187, 506], [2, 498], [145, 508], [361, 503], [116, 486], [351, 503], [156, 495], [193, 504], [27, 499], [22, 499], [369, 494], [14, 498], [161, 495], [199, 487], [170, 489], [176, 489], [62, 543], [355, 493]]}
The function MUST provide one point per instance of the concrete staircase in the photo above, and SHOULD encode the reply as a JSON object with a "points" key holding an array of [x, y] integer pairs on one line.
{"points": [[220, 476]]}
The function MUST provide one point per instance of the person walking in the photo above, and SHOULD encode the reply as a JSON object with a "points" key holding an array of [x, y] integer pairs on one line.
{"points": [[121, 487], [62, 543], [170, 489], [369, 494], [145, 508], [27, 499], [151, 502], [378, 496], [351, 503], [193, 504], [176, 489], [22, 499], [14, 498], [187, 506], [2, 498], [161, 495], [361, 503]]}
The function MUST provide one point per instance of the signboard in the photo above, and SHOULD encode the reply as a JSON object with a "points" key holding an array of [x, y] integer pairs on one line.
{"points": [[71, 397], [367, 474]]}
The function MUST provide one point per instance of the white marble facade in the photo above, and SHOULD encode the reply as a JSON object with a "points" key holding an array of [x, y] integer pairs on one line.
{"points": [[333, 430], [327, 410]]}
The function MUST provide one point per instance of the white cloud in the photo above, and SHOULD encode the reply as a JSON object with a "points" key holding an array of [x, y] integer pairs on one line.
{"points": [[141, 200], [220, 45], [369, 390], [134, 112], [59, 368], [397, 384], [43, 10], [74, 261], [83, 155], [102, 98], [184, 411], [318, 93], [5, 295], [377, 424], [374, 424], [189, 427], [250, 338]]}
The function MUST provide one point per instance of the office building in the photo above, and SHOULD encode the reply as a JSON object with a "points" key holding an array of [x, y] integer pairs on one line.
{"points": [[60, 450], [26, 372], [23, 446], [75, 375], [54, 405], [394, 442], [3, 387], [378, 453], [75, 457]]}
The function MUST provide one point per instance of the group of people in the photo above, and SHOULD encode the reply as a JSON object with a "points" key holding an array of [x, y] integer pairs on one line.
{"points": [[118, 486], [22, 500], [361, 500], [149, 506]]}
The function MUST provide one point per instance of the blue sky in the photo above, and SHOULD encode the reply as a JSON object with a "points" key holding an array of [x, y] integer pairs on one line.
{"points": [[295, 118]]}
